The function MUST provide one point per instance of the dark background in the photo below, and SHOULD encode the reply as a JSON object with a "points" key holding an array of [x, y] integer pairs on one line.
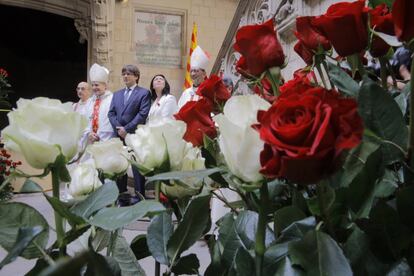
{"points": [[42, 54]]}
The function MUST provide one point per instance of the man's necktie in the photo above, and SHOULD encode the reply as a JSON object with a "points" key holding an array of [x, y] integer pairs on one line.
{"points": [[95, 115], [126, 95]]}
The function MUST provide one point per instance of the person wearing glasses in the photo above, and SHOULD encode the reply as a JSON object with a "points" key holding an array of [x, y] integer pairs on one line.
{"points": [[198, 66], [83, 91]]}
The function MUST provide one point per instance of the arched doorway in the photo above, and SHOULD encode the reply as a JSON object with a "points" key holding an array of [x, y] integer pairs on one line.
{"points": [[42, 53]]}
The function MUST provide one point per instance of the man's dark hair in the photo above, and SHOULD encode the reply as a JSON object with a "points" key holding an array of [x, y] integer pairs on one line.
{"points": [[132, 69]]}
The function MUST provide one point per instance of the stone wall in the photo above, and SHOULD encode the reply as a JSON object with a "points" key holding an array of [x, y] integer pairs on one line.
{"points": [[212, 17]]}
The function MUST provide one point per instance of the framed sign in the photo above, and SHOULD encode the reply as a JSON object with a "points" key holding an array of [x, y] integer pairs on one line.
{"points": [[158, 38]]}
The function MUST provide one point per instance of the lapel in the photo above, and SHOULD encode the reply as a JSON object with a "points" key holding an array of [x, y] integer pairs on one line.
{"points": [[134, 94]]}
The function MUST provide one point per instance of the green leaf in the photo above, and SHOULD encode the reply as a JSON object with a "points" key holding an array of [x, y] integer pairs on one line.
{"points": [[42, 264], [123, 254], [67, 266], [102, 266], [184, 176], [191, 227], [402, 102], [103, 196], [29, 186], [374, 3], [388, 184], [326, 194], [101, 239], [354, 163], [319, 254], [342, 80], [273, 257], [215, 267], [113, 218], [297, 230], [71, 235], [299, 201], [357, 251], [64, 175], [24, 238], [159, 232], [244, 263], [187, 265], [62, 209], [15, 215], [139, 247], [286, 216], [382, 115], [387, 236], [285, 267], [241, 233], [362, 190]]}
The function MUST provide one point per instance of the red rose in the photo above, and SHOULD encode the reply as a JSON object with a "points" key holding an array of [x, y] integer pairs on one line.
{"points": [[4, 73], [345, 26], [304, 52], [309, 35], [214, 90], [402, 15], [305, 134], [301, 81], [196, 114], [259, 48], [381, 21]]}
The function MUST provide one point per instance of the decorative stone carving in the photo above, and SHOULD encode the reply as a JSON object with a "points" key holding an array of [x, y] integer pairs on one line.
{"points": [[102, 26], [83, 26]]}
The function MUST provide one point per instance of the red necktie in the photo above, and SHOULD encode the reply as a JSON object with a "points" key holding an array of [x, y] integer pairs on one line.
{"points": [[95, 115]]}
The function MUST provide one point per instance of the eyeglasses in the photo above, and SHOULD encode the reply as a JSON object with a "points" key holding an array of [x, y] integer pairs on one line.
{"points": [[80, 88]]}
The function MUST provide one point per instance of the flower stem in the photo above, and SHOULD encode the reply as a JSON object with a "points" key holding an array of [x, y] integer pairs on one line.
{"points": [[325, 66], [319, 68], [157, 187], [260, 246], [411, 141], [60, 231], [321, 190], [383, 72]]}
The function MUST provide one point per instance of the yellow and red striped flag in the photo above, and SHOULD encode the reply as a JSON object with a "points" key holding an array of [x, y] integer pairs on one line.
{"points": [[187, 81]]}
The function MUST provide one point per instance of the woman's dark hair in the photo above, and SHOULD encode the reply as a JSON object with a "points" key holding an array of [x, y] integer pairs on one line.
{"points": [[165, 90]]}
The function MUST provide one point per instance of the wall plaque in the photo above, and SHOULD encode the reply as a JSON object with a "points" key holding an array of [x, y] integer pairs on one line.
{"points": [[158, 38]]}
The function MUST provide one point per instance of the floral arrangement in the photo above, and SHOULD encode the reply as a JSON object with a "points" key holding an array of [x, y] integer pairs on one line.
{"points": [[322, 164]]}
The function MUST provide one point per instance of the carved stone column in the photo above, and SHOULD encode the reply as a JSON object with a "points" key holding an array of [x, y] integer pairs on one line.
{"points": [[102, 16]]}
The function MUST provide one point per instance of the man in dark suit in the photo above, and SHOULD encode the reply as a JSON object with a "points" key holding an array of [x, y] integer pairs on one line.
{"points": [[129, 108]]}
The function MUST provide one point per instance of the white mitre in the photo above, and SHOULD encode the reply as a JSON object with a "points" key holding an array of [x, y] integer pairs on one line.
{"points": [[199, 59], [98, 73]]}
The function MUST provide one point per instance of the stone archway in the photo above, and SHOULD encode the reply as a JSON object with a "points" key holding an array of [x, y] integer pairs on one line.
{"points": [[93, 20]]}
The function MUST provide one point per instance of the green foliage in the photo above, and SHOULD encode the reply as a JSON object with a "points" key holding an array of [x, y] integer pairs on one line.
{"points": [[15, 216]]}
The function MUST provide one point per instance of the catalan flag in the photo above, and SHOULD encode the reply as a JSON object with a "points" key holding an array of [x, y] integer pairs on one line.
{"points": [[187, 81]]}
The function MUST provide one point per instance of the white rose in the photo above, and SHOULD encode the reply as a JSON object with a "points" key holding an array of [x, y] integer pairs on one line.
{"points": [[192, 160], [110, 156], [239, 143], [84, 180], [158, 140], [38, 127]]}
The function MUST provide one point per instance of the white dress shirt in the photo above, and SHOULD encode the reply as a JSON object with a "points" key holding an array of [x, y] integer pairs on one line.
{"points": [[166, 107]]}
